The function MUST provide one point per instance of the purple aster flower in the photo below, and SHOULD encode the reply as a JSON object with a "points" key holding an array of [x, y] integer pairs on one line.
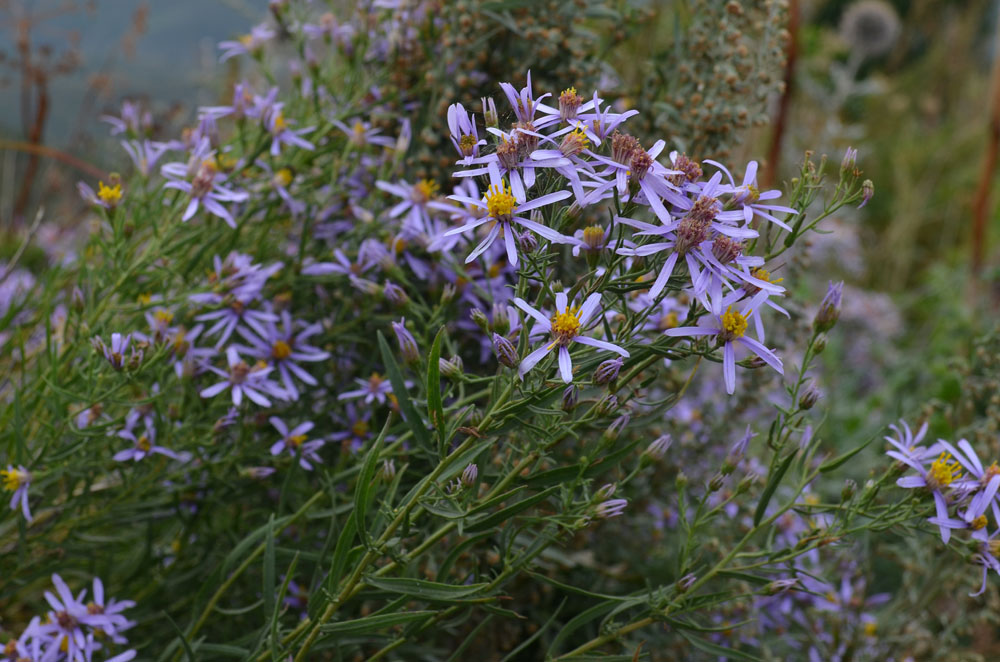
{"points": [[282, 134], [565, 327], [244, 380], [502, 209], [230, 317], [18, 481], [134, 121], [937, 478], [464, 134], [361, 133], [285, 348], [115, 354], [63, 627], [373, 388], [417, 202], [524, 103], [611, 508], [294, 441], [249, 44], [205, 188], [242, 106], [144, 154], [989, 550], [730, 328], [144, 444], [748, 197]]}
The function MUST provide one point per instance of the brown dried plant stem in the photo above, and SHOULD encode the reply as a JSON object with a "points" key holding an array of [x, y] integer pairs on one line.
{"points": [[981, 201], [770, 174]]}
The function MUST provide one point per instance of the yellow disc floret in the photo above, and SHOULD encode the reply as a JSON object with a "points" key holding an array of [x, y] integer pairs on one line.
{"points": [[943, 472], [565, 325], [734, 324], [283, 177], [978, 523], [13, 478], [281, 350], [424, 190], [109, 195], [500, 202], [296, 440]]}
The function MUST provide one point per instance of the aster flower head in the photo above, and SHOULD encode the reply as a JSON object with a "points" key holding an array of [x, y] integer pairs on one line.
{"points": [[296, 443], [17, 480], [281, 132], [523, 101], [503, 208], [464, 134], [144, 441], [374, 388], [565, 328], [285, 347], [116, 353], [242, 379], [729, 329], [249, 44], [205, 188], [71, 624]]}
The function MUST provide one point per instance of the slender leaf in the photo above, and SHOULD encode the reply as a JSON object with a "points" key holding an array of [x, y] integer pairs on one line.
{"points": [[413, 420], [772, 485]]}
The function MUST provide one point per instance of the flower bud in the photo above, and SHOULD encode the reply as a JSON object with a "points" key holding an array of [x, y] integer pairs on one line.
{"points": [[849, 162], [611, 508], [659, 447], [388, 471], [528, 242], [407, 343], [829, 308], [686, 582], [608, 370], [448, 293], [479, 318], [681, 481], [849, 489], [780, 586], [718, 480], [809, 398], [501, 322], [607, 405], [606, 491], [819, 344], [490, 113], [867, 191], [451, 368], [736, 454], [505, 351], [611, 434], [747, 482], [394, 294], [570, 397], [469, 475]]}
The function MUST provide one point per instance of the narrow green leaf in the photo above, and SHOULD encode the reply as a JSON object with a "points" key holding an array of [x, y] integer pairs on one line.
{"points": [[345, 541], [772, 485], [413, 420], [421, 589], [435, 407], [506, 513], [268, 588], [716, 650], [366, 482], [182, 638], [830, 465], [576, 623], [370, 624]]}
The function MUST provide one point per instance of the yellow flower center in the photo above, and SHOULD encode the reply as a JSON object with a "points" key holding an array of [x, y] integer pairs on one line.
{"points": [[593, 236], [943, 472], [424, 190], [296, 440], [359, 131], [979, 523], [565, 325], [669, 321], [283, 177], [991, 471], [164, 317], [734, 324], [568, 91], [281, 350], [279, 122], [752, 195], [109, 195], [375, 380], [359, 429], [761, 273], [870, 628], [13, 478], [143, 444], [500, 202]]}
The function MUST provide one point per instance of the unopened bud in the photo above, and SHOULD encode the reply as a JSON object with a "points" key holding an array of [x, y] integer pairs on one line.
{"points": [[686, 582], [819, 344], [718, 480], [570, 397], [849, 489], [388, 471], [611, 434], [501, 321], [611, 508], [608, 370], [469, 475], [451, 368], [867, 191], [850, 160], [479, 318], [809, 398], [607, 405], [407, 343], [505, 351], [747, 482], [490, 113], [659, 447], [528, 242], [829, 308], [394, 294], [448, 293], [780, 586], [681, 481]]}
